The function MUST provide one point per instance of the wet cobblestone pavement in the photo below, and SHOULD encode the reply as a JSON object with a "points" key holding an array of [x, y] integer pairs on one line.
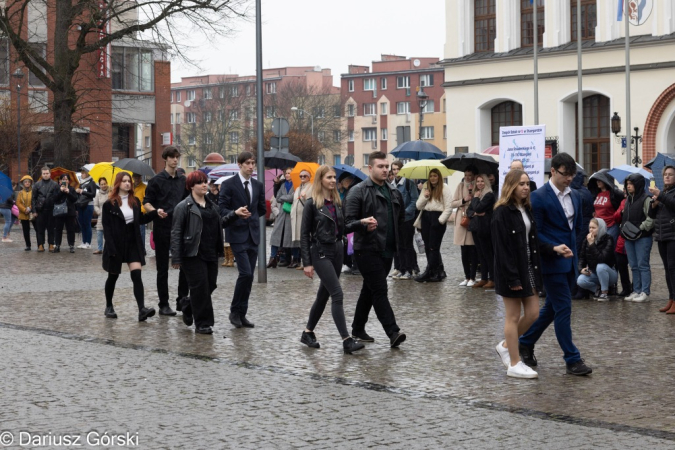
{"points": [[444, 384]]}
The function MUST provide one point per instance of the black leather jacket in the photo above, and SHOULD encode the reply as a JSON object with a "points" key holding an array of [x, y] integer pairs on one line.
{"points": [[318, 229], [365, 200], [664, 216], [186, 230]]}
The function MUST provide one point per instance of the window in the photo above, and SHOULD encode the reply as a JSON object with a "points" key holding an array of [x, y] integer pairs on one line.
{"points": [[505, 114], [147, 141], [427, 80], [171, 118], [369, 84], [234, 91], [445, 131], [444, 110], [337, 160], [221, 92], [596, 133], [177, 118], [271, 88], [172, 97], [526, 25], [234, 114], [248, 89], [38, 101], [234, 137], [319, 112], [4, 61], [383, 83], [191, 161], [384, 109], [485, 28], [337, 135], [350, 85], [207, 93], [384, 134], [41, 49], [190, 94], [321, 160], [321, 136], [402, 134], [190, 117], [178, 96], [132, 69], [351, 135], [269, 112], [192, 141], [369, 134], [207, 116], [428, 107], [427, 132], [336, 111], [209, 139], [370, 109], [589, 19], [402, 82], [402, 107], [350, 110], [366, 159]]}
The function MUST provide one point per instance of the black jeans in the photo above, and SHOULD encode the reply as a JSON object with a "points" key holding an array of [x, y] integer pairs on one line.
{"points": [[667, 252], [69, 222], [246, 255], [432, 235], [624, 273], [469, 261], [374, 269], [328, 270], [25, 224], [406, 258], [44, 221], [486, 257], [201, 277], [162, 238]]}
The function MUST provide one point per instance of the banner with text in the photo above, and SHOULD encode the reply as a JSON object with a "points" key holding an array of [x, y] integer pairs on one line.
{"points": [[527, 144]]}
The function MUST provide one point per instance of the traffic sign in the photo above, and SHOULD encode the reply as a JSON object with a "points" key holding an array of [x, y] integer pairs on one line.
{"points": [[280, 126]]}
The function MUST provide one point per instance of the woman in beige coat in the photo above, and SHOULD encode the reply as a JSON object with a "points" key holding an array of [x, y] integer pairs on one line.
{"points": [[300, 196], [100, 198], [461, 200]]}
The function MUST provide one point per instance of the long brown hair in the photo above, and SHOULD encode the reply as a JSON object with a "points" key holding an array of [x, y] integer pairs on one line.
{"points": [[437, 191], [114, 195], [318, 191], [511, 182]]}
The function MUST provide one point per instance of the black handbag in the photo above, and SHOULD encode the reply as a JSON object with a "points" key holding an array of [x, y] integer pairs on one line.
{"points": [[61, 209], [629, 231]]}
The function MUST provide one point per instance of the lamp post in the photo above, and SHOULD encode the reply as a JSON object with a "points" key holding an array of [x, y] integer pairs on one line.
{"points": [[18, 74], [311, 117], [422, 99], [635, 139]]}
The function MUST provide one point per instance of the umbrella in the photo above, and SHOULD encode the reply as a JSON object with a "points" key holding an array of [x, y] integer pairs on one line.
{"points": [[270, 175], [221, 179], [89, 166], [547, 167], [419, 170], [417, 150], [353, 171], [136, 166], [205, 169], [460, 161], [274, 159], [657, 164], [105, 170], [5, 188], [56, 173], [494, 150], [226, 169], [299, 167], [621, 172]]}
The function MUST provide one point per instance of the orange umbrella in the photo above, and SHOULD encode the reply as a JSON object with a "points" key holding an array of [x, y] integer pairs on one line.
{"points": [[56, 173], [299, 167]]}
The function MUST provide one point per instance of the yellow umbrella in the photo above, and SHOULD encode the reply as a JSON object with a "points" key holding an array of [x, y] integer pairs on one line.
{"points": [[419, 170], [107, 171]]}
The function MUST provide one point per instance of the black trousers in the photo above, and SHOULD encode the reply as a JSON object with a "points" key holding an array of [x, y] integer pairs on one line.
{"points": [[486, 256], [328, 270], [246, 255], [201, 278], [432, 234], [624, 273], [44, 221], [405, 259], [25, 224], [469, 261], [69, 222], [374, 269], [162, 238], [667, 252]]}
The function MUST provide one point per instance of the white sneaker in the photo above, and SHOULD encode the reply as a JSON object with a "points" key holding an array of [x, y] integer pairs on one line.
{"points": [[345, 269], [520, 370], [630, 297], [82, 246], [503, 354], [464, 283], [395, 273], [87, 246], [7, 240], [470, 283], [641, 298]]}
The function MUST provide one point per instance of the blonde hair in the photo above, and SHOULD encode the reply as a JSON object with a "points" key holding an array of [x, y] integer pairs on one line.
{"points": [[319, 192], [486, 180], [511, 182], [437, 191]]}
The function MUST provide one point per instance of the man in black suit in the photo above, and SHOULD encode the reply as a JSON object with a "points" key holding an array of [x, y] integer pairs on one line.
{"points": [[244, 197]]}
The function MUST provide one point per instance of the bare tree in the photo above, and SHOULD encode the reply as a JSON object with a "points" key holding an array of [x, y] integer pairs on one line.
{"points": [[9, 132], [82, 32]]}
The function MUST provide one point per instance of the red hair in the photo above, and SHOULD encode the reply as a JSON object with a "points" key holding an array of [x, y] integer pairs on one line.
{"points": [[114, 195], [196, 177]]}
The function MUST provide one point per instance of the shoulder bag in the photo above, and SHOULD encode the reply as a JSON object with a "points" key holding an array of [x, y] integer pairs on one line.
{"points": [[61, 209], [629, 231], [466, 220], [287, 207]]}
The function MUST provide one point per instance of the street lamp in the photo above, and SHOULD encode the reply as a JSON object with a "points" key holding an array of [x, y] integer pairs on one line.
{"points": [[422, 99], [311, 117], [635, 139], [18, 74]]}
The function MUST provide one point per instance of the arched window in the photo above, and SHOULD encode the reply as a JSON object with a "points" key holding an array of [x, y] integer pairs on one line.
{"points": [[596, 133], [526, 25], [485, 25], [589, 19], [505, 114]]}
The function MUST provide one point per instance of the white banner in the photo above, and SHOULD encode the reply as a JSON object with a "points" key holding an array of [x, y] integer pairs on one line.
{"points": [[528, 144]]}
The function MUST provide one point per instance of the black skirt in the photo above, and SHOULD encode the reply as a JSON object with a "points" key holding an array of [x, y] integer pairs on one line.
{"points": [[131, 254]]}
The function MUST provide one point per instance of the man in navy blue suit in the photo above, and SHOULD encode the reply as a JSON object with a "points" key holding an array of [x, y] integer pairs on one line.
{"points": [[244, 197], [557, 212]]}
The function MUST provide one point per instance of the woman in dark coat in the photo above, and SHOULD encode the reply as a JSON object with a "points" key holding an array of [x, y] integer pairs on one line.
{"points": [[122, 220], [596, 261], [663, 212], [480, 212], [66, 194]]}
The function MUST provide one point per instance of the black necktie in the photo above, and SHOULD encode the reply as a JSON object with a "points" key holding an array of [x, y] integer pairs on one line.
{"points": [[248, 193]]}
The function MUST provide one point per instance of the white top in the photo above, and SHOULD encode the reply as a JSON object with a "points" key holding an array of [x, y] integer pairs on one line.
{"points": [[444, 206], [126, 209], [565, 199], [250, 188], [526, 219]]}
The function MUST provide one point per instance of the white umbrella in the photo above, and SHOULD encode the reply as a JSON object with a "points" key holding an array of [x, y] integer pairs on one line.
{"points": [[221, 179]]}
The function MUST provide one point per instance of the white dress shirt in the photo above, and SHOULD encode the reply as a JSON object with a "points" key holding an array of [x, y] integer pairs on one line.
{"points": [[565, 199], [250, 187]]}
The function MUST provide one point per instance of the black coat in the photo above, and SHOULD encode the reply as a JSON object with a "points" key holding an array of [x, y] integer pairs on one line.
{"points": [[510, 247], [664, 216], [186, 230], [318, 228], [601, 252], [70, 198], [113, 232], [480, 225]]}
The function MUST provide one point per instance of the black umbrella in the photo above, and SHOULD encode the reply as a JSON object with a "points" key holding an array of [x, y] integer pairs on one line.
{"points": [[136, 166], [417, 150], [460, 161], [274, 159]]}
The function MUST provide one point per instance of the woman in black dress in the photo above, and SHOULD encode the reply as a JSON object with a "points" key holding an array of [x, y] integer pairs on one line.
{"points": [[122, 220], [66, 194]]}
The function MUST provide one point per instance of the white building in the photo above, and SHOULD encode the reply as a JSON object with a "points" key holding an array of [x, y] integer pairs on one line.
{"points": [[489, 75]]}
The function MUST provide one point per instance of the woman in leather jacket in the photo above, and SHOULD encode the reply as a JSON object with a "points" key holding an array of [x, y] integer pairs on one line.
{"points": [[67, 194], [196, 244], [321, 245], [596, 261]]}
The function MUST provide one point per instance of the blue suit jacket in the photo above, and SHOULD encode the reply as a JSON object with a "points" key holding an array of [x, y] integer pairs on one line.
{"points": [[232, 197], [553, 229]]}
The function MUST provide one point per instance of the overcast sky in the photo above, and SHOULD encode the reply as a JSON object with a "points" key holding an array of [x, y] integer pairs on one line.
{"points": [[327, 33]]}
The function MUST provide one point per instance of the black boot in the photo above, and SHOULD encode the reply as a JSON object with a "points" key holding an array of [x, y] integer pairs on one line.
{"points": [[424, 276], [435, 276], [57, 249], [441, 272], [272, 264]]}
